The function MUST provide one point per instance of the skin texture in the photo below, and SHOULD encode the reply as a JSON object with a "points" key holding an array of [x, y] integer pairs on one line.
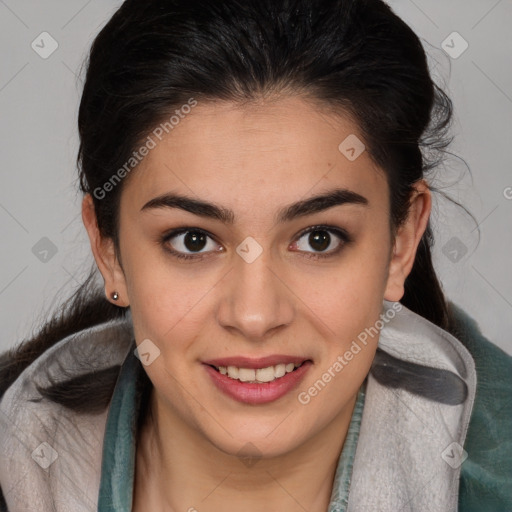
{"points": [[253, 159]]}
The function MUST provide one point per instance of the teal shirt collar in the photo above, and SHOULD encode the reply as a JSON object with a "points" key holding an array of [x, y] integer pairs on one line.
{"points": [[119, 444]]}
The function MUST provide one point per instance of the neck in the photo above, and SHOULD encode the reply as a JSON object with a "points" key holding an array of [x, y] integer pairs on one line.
{"points": [[296, 481]]}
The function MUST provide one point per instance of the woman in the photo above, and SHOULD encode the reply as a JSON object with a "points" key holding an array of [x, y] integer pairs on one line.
{"points": [[274, 336]]}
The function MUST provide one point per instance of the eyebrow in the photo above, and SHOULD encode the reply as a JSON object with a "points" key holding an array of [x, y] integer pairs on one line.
{"points": [[315, 204]]}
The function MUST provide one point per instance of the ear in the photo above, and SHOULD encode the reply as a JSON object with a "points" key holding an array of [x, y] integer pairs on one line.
{"points": [[105, 255], [407, 240]]}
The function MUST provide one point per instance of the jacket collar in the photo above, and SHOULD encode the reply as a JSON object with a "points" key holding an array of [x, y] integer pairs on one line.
{"points": [[419, 397], [50, 457]]}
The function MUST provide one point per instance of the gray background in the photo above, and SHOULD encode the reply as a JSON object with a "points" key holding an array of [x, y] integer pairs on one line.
{"points": [[40, 205]]}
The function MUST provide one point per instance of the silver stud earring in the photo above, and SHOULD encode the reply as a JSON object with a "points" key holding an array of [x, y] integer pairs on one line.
{"points": [[115, 296]]}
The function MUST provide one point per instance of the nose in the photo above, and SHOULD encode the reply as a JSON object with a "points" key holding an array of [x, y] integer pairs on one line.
{"points": [[255, 299]]}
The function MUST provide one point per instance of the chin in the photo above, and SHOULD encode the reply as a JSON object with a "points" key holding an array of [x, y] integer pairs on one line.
{"points": [[259, 443]]}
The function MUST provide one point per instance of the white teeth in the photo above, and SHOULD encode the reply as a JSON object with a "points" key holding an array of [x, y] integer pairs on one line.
{"points": [[265, 374], [280, 370], [250, 375], [246, 374], [232, 372]]}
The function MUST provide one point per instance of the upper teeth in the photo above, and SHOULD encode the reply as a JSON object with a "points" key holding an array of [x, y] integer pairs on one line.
{"points": [[267, 374]]}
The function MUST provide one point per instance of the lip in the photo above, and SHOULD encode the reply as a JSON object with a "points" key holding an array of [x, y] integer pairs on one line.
{"points": [[255, 364], [257, 393]]}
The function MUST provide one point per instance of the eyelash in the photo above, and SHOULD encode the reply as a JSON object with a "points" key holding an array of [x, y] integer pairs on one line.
{"points": [[340, 233]]}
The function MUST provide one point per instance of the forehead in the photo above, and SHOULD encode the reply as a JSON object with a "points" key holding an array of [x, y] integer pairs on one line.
{"points": [[273, 151]]}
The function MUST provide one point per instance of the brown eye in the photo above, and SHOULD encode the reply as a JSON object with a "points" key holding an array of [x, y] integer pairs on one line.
{"points": [[319, 240], [322, 239], [194, 241], [189, 243]]}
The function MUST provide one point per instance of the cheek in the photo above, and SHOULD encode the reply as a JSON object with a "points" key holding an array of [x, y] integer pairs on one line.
{"points": [[170, 307], [158, 295], [349, 301], [352, 315], [350, 296]]}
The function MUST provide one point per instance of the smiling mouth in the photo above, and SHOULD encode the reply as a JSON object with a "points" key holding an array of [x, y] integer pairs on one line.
{"points": [[257, 376]]}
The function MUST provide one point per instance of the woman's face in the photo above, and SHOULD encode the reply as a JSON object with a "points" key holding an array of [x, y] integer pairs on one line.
{"points": [[257, 284]]}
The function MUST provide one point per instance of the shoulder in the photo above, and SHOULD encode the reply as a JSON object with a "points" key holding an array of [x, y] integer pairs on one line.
{"points": [[487, 472], [42, 414], [89, 350]]}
